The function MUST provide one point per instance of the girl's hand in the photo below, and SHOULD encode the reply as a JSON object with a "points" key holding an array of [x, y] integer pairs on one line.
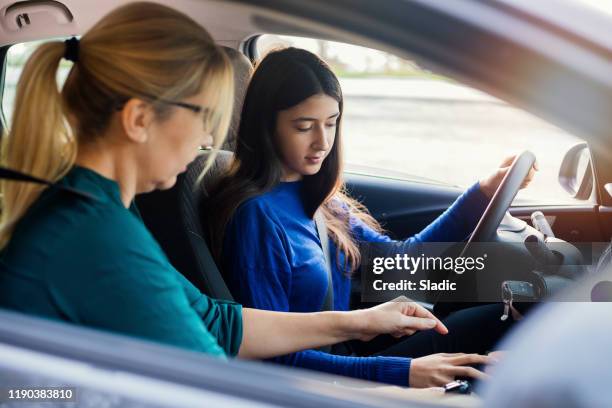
{"points": [[399, 317], [436, 370], [489, 185]]}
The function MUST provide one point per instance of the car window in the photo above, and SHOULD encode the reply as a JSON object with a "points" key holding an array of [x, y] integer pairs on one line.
{"points": [[404, 119], [16, 58]]}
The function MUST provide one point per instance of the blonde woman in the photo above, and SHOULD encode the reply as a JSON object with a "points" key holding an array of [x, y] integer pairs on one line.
{"points": [[148, 87]]}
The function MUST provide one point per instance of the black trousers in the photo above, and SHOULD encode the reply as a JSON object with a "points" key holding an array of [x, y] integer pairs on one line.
{"points": [[473, 330]]}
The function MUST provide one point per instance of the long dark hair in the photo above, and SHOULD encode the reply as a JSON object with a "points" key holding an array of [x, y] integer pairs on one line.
{"points": [[283, 79]]}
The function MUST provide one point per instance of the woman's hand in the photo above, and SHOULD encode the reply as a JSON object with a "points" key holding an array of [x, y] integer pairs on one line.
{"points": [[399, 317], [436, 370], [489, 185], [269, 334]]}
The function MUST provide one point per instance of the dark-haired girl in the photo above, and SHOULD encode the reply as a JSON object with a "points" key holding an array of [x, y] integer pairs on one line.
{"points": [[287, 168]]}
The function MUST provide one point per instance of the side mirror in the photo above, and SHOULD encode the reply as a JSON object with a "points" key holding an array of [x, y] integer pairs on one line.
{"points": [[576, 172]]}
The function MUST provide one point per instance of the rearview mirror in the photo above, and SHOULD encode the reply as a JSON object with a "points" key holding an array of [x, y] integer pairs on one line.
{"points": [[576, 172]]}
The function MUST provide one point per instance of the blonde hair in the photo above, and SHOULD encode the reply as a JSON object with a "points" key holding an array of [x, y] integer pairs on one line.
{"points": [[142, 50]]}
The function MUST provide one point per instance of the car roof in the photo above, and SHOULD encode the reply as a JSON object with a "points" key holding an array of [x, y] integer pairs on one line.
{"points": [[231, 22]]}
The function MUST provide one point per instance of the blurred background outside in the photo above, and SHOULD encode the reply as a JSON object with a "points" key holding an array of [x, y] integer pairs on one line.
{"points": [[406, 122]]}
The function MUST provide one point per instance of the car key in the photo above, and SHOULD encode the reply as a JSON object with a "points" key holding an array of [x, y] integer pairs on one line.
{"points": [[506, 314], [458, 387]]}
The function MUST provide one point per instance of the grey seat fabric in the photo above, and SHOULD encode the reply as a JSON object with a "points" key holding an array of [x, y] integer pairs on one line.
{"points": [[243, 69], [173, 216]]}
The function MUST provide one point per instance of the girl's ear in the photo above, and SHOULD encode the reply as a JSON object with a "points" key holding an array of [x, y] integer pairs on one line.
{"points": [[136, 117]]}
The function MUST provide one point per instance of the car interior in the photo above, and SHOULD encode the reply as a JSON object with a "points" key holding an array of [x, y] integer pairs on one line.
{"points": [[404, 207]]}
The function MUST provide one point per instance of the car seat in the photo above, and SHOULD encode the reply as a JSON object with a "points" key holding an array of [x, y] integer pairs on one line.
{"points": [[173, 216]]}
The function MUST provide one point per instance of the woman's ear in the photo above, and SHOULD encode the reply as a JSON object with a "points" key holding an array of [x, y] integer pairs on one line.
{"points": [[136, 117]]}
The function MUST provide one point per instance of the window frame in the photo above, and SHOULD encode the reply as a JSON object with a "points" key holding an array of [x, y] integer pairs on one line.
{"points": [[3, 62]]}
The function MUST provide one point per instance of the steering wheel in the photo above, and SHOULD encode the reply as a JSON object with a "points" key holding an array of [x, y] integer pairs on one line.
{"points": [[502, 199]]}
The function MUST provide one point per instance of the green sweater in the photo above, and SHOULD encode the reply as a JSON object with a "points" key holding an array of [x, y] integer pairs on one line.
{"points": [[94, 263]]}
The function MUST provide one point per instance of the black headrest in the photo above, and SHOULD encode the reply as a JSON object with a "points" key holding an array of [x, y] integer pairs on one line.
{"points": [[173, 217]]}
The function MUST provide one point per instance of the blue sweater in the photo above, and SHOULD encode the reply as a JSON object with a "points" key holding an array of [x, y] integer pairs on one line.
{"points": [[273, 260]]}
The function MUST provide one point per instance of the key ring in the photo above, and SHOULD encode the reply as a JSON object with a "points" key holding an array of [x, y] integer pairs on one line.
{"points": [[507, 298]]}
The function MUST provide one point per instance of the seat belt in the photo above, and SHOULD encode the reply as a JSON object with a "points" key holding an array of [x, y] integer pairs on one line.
{"points": [[8, 174], [344, 348], [328, 303]]}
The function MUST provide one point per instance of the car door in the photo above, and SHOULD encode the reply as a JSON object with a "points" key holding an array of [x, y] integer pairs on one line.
{"points": [[405, 207]]}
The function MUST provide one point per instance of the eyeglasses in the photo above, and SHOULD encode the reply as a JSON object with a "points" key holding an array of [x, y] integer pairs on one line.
{"points": [[185, 105], [194, 108], [190, 106]]}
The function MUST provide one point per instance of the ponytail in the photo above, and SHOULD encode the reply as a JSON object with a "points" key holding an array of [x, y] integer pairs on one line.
{"points": [[141, 49], [39, 141]]}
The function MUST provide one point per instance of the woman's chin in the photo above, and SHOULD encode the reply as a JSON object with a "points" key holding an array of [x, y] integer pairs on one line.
{"points": [[165, 185]]}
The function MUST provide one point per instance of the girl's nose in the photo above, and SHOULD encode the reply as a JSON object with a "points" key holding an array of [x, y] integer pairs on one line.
{"points": [[321, 142]]}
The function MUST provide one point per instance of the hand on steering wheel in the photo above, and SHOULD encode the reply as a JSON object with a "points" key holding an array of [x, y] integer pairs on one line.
{"points": [[501, 200], [490, 184]]}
